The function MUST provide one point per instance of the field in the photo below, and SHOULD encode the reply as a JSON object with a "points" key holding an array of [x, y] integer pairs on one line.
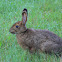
{"points": [[42, 14]]}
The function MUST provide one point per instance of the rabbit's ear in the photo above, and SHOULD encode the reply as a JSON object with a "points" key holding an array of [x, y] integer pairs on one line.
{"points": [[24, 16]]}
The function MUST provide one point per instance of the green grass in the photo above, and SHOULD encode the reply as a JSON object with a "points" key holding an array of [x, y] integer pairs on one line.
{"points": [[42, 14]]}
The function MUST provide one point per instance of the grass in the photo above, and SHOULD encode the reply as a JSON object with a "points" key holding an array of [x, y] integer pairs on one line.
{"points": [[42, 14]]}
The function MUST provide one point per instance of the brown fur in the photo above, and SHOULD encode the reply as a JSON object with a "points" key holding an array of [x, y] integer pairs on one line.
{"points": [[35, 40]]}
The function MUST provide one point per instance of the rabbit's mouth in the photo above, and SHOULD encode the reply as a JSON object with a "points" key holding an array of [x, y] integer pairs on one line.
{"points": [[12, 32]]}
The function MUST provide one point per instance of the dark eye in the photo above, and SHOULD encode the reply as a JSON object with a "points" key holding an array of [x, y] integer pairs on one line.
{"points": [[17, 26]]}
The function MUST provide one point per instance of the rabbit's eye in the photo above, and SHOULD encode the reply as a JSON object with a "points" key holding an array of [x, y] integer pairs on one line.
{"points": [[17, 26]]}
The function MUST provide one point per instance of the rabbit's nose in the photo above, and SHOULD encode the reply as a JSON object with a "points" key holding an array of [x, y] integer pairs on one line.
{"points": [[12, 32]]}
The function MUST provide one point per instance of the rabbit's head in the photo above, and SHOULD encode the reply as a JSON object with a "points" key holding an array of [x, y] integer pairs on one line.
{"points": [[20, 26]]}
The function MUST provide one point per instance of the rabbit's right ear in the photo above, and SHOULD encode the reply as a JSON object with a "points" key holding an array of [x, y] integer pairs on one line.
{"points": [[24, 16]]}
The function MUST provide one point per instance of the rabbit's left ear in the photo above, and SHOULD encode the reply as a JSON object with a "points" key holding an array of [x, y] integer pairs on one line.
{"points": [[24, 16]]}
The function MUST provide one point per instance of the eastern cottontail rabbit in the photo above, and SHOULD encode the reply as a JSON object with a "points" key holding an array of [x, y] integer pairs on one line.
{"points": [[35, 40]]}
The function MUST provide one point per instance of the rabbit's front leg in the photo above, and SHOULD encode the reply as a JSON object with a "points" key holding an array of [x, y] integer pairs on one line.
{"points": [[25, 47], [31, 49]]}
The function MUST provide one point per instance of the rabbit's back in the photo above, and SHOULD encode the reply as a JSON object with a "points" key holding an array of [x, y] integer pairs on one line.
{"points": [[50, 36]]}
